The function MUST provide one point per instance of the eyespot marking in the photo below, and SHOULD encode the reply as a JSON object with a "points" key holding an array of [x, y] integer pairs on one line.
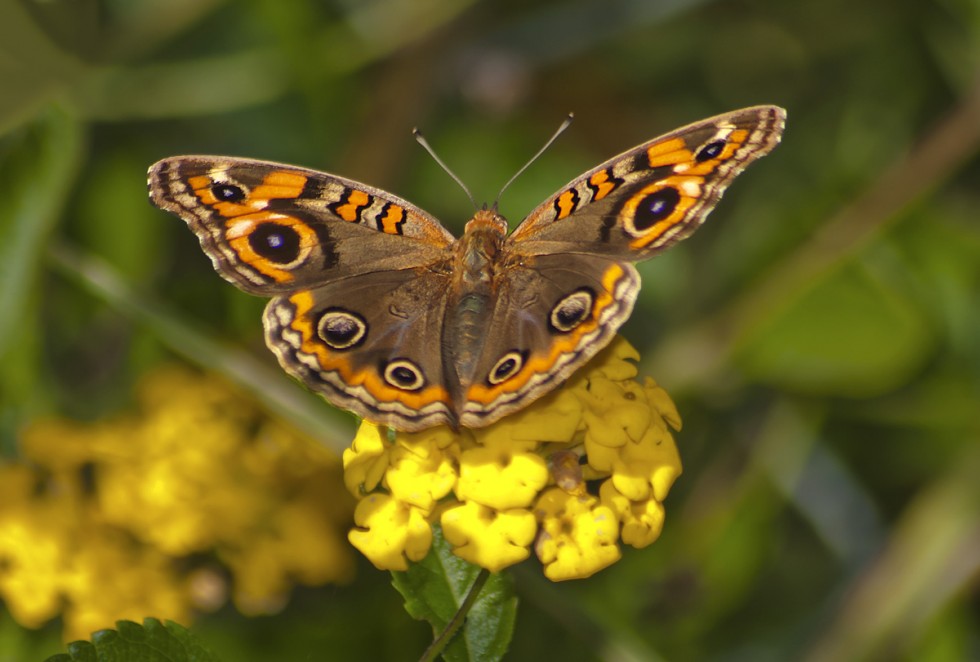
{"points": [[506, 367], [572, 310], [275, 242], [404, 375], [341, 329], [655, 207], [710, 151], [224, 192]]}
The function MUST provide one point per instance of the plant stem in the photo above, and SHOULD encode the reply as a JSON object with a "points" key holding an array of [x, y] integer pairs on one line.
{"points": [[457, 620]]}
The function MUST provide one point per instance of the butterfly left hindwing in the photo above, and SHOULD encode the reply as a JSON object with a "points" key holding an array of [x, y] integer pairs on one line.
{"points": [[382, 311], [369, 344]]}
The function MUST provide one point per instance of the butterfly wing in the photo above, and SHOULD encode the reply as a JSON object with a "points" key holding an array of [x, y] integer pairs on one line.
{"points": [[358, 277], [271, 228], [551, 314], [569, 284], [648, 198], [369, 344]]}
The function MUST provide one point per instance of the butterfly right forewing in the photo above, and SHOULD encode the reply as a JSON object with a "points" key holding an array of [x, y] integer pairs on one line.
{"points": [[650, 197]]}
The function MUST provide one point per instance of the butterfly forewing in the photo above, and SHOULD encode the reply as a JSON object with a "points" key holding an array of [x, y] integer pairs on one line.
{"points": [[271, 228], [654, 195]]}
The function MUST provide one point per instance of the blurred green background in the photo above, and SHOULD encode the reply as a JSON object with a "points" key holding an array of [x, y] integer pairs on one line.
{"points": [[821, 334]]}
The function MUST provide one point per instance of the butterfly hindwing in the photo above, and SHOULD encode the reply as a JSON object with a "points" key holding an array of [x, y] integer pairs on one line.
{"points": [[551, 315], [369, 344]]}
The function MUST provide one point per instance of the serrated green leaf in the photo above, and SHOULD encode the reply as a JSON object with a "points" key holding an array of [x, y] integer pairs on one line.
{"points": [[434, 590], [152, 641]]}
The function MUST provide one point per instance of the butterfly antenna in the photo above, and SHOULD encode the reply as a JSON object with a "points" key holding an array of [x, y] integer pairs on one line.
{"points": [[420, 139], [561, 130]]}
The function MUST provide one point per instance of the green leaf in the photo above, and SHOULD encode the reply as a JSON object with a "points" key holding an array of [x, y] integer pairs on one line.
{"points": [[39, 169], [852, 334], [131, 642], [38, 166], [434, 590]]}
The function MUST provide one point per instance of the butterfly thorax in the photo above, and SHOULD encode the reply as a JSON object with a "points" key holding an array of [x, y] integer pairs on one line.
{"points": [[469, 308]]}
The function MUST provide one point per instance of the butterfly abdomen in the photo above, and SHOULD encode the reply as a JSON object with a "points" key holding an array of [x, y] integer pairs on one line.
{"points": [[470, 298]]}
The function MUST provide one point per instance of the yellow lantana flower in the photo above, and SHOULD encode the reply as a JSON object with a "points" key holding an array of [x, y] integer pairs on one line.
{"points": [[578, 535], [391, 532], [570, 478], [127, 517], [493, 539]]}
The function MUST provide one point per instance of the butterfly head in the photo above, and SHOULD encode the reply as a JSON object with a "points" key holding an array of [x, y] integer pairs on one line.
{"points": [[487, 220]]}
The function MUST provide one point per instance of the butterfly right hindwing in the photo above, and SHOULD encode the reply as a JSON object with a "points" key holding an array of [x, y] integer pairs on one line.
{"points": [[551, 315]]}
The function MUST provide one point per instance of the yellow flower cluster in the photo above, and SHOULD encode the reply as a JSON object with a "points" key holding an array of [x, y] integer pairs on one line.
{"points": [[98, 521], [571, 476]]}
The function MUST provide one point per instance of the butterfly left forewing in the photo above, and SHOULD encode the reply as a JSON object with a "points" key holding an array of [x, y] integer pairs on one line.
{"points": [[271, 228], [648, 198]]}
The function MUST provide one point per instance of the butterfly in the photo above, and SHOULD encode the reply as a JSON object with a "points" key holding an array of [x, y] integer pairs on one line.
{"points": [[380, 309]]}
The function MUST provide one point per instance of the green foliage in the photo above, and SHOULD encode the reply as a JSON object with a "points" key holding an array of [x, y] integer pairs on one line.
{"points": [[131, 642], [850, 335], [40, 162], [435, 589]]}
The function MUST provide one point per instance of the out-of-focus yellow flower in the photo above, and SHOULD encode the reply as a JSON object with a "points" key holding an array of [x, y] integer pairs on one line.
{"points": [[102, 525], [570, 477], [110, 578], [33, 549]]}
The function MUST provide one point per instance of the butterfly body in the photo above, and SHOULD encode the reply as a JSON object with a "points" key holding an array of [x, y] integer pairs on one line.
{"points": [[380, 309], [476, 276]]}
